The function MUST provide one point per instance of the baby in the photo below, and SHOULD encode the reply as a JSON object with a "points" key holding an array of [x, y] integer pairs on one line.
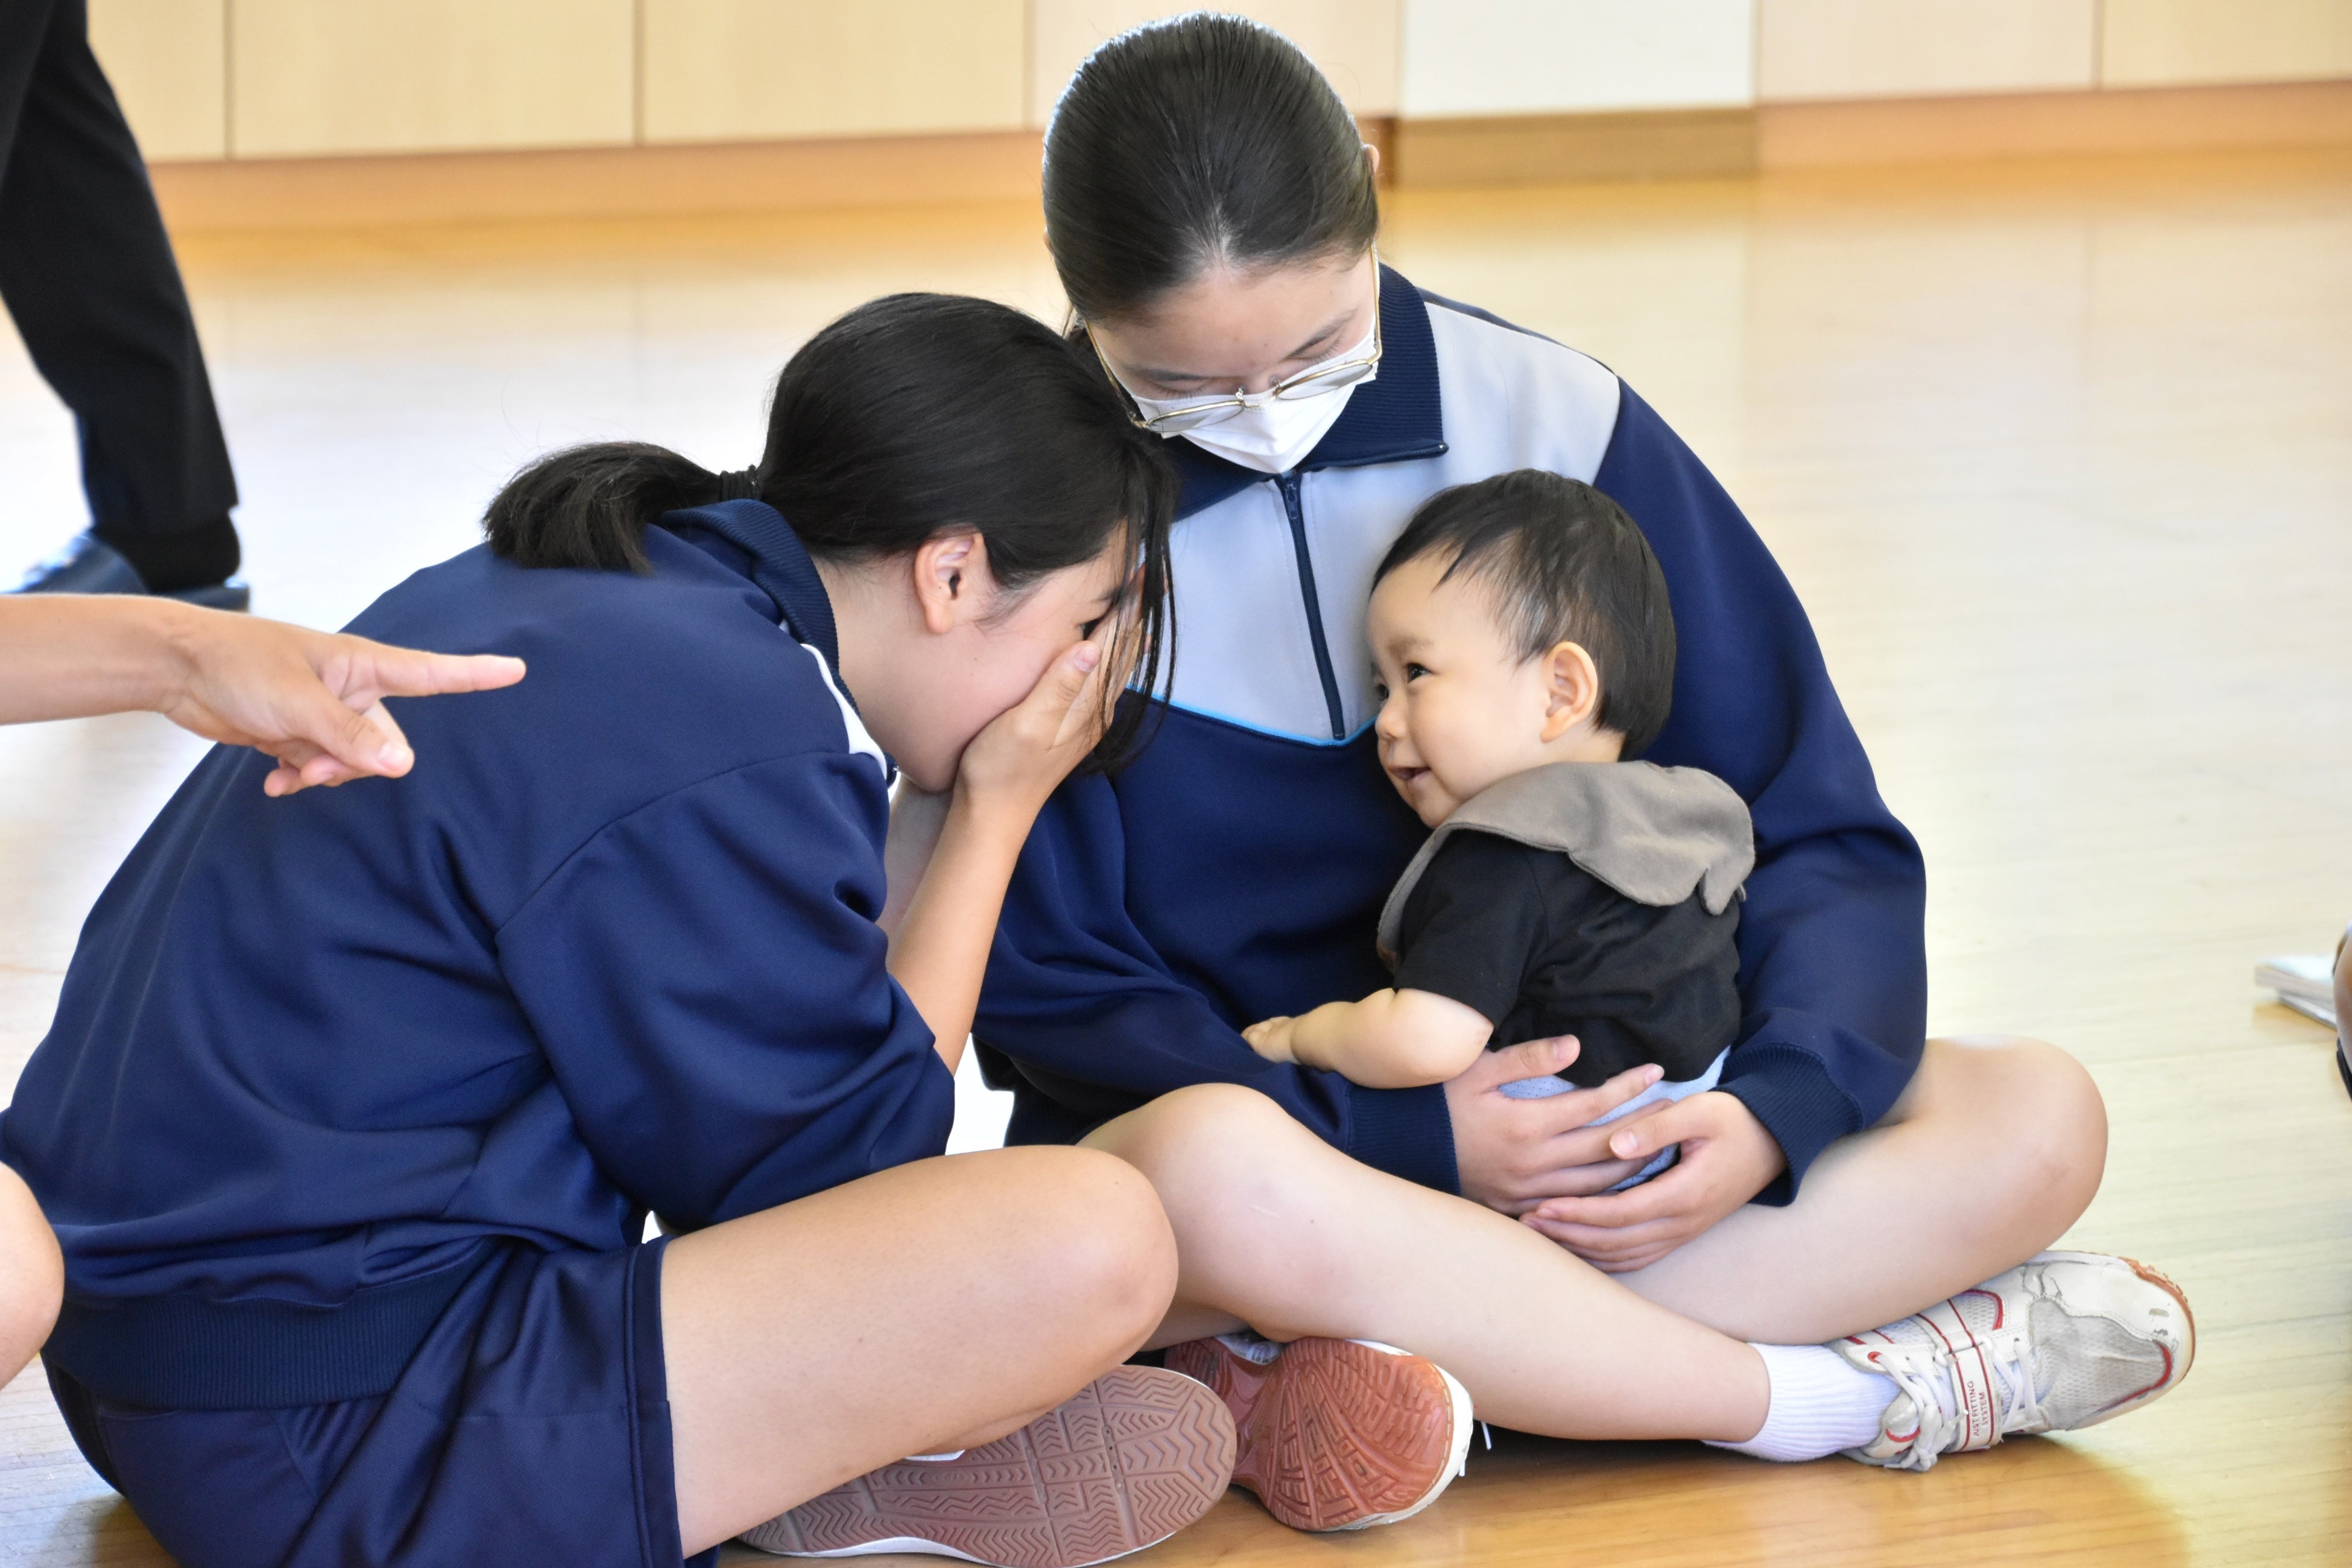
{"points": [[1524, 646]]}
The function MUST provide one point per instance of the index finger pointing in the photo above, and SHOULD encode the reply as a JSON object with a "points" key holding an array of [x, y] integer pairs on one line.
{"points": [[404, 672]]}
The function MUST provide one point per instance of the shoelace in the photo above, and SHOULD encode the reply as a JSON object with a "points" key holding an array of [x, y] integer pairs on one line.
{"points": [[2023, 1410], [1933, 1406], [1935, 1398]]}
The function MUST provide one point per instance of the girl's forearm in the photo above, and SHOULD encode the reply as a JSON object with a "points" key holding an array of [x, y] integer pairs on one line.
{"points": [[939, 952], [917, 817], [72, 655]]}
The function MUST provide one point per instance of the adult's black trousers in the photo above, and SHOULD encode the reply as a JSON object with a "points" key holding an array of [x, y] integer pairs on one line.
{"points": [[87, 273]]}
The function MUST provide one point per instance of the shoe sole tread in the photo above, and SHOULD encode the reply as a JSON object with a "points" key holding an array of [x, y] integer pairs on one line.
{"points": [[1131, 1460], [1336, 1434]]}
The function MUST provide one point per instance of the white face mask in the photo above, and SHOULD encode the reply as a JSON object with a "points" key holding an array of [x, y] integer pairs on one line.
{"points": [[1269, 434]]}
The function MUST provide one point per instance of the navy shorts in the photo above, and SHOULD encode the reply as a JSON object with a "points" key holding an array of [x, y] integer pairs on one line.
{"points": [[531, 1425]]}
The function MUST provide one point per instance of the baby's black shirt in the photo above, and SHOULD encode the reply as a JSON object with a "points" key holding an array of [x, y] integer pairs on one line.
{"points": [[1534, 941]]}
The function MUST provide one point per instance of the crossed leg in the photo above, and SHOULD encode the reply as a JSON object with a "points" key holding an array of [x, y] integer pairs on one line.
{"points": [[933, 1307], [1025, 1273], [1276, 1229], [1995, 1149]]}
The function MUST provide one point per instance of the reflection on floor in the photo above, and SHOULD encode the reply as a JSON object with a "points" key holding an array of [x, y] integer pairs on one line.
{"points": [[2056, 454]]}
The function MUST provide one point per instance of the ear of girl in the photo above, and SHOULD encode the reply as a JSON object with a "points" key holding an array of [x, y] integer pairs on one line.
{"points": [[936, 648]]}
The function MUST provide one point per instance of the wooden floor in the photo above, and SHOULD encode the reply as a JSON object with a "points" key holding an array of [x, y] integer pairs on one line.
{"points": [[2059, 455]]}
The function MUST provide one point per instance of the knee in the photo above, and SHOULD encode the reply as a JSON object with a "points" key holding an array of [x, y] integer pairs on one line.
{"points": [[1098, 1234], [32, 1275], [2045, 1113], [1210, 1145], [1248, 1190], [1130, 1263]]}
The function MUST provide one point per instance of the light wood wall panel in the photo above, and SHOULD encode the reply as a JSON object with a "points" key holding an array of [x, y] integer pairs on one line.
{"points": [[411, 75], [2163, 43], [734, 70], [168, 61], [1354, 41], [1896, 49], [1973, 127], [1467, 57]]}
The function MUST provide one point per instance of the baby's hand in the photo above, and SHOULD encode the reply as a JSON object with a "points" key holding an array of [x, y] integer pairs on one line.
{"points": [[1270, 1038]]}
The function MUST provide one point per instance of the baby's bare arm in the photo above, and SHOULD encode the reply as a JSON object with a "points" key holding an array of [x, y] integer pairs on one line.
{"points": [[1391, 1039]]}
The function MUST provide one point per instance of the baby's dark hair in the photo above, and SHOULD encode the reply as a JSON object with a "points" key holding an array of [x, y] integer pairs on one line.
{"points": [[1563, 563]]}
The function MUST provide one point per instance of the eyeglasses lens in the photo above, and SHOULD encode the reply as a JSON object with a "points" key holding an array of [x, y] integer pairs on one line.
{"points": [[1316, 383]]}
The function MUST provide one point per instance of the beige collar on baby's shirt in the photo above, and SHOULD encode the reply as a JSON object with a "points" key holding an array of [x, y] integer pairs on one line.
{"points": [[1656, 834]]}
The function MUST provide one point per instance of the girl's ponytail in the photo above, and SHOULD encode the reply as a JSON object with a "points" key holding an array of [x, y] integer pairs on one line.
{"points": [[589, 506]]}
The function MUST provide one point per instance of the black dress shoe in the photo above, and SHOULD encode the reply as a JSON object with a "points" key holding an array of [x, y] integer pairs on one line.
{"points": [[90, 565]]}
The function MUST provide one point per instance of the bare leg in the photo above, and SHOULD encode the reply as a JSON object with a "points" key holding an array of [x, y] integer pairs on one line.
{"points": [[1993, 1151], [932, 1307], [32, 1275], [1276, 1229]]}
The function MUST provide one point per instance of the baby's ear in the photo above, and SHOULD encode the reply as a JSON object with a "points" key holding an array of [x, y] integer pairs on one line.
{"points": [[1572, 689]]}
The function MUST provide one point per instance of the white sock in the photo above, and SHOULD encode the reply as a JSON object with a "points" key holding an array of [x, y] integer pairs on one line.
{"points": [[1821, 1404]]}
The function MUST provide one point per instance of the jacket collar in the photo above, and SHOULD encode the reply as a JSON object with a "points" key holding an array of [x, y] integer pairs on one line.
{"points": [[1391, 418], [778, 566]]}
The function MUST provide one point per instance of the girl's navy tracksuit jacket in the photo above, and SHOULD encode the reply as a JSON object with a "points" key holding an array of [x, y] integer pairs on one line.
{"points": [[610, 948]]}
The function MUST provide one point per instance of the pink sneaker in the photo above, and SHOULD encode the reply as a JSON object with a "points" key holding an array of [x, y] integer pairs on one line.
{"points": [[1132, 1458], [1334, 1434]]}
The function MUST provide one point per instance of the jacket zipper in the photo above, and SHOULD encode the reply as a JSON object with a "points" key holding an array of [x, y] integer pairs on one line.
{"points": [[1288, 484]]}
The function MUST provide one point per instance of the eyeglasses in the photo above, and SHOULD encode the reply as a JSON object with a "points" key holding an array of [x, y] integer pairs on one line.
{"points": [[1313, 382]]}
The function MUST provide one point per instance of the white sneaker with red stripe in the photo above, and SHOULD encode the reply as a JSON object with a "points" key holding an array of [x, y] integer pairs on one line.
{"points": [[2064, 1340]]}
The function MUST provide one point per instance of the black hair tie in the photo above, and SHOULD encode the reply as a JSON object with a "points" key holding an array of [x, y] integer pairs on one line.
{"points": [[739, 484]]}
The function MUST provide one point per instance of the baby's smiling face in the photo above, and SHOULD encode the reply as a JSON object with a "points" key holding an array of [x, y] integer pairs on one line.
{"points": [[1460, 709]]}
